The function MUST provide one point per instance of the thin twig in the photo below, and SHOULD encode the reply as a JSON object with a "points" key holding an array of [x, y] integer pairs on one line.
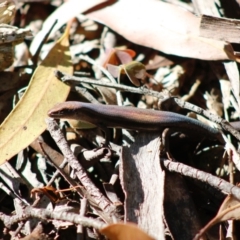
{"points": [[218, 183], [161, 95], [46, 215], [55, 175], [20, 227], [83, 210], [93, 192]]}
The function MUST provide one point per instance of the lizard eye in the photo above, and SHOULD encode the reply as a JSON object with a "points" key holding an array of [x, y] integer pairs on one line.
{"points": [[61, 112]]}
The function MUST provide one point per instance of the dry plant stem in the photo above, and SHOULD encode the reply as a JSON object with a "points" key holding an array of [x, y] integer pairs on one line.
{"points": [[82, 213], [235, 156], [101, 201], [216, 182], [89, 157], [113, 179], [7, 191], [44, 214], [83, 209], [230, 165], [192, 90], [142, 90], [55, 175], [20, 226]]}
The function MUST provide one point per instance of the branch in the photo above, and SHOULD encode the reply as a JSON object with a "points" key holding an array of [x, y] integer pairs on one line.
{"points": [[44, 214], [218, 183], [92, 191]]}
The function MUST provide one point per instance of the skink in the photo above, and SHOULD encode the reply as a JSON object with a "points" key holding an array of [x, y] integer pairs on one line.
{"points": [[112, 116]]}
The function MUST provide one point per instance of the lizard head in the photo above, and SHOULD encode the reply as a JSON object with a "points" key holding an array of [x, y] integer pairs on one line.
{"points": [[62, 110]]}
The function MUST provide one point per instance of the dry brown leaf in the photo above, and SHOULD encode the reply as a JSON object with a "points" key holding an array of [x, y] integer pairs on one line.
{"points": [[129, 231], [27, 120], [49, 191], [135, 71], [161, 26], [230, 209], [108, 94]]}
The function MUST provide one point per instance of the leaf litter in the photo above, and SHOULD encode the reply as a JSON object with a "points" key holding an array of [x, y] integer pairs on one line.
{"points": [[159, 47]]}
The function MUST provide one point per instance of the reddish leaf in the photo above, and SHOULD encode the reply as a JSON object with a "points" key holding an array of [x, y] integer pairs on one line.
{"points": [[118, 56]]}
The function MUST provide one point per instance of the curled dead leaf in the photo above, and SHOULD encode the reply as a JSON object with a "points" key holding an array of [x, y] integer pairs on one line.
{"points": [[128, 231], [135, 71], [118, 56]]}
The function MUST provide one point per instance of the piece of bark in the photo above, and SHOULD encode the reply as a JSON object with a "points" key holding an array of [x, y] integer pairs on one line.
{"points": [[142, 180], [223, 29]]}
